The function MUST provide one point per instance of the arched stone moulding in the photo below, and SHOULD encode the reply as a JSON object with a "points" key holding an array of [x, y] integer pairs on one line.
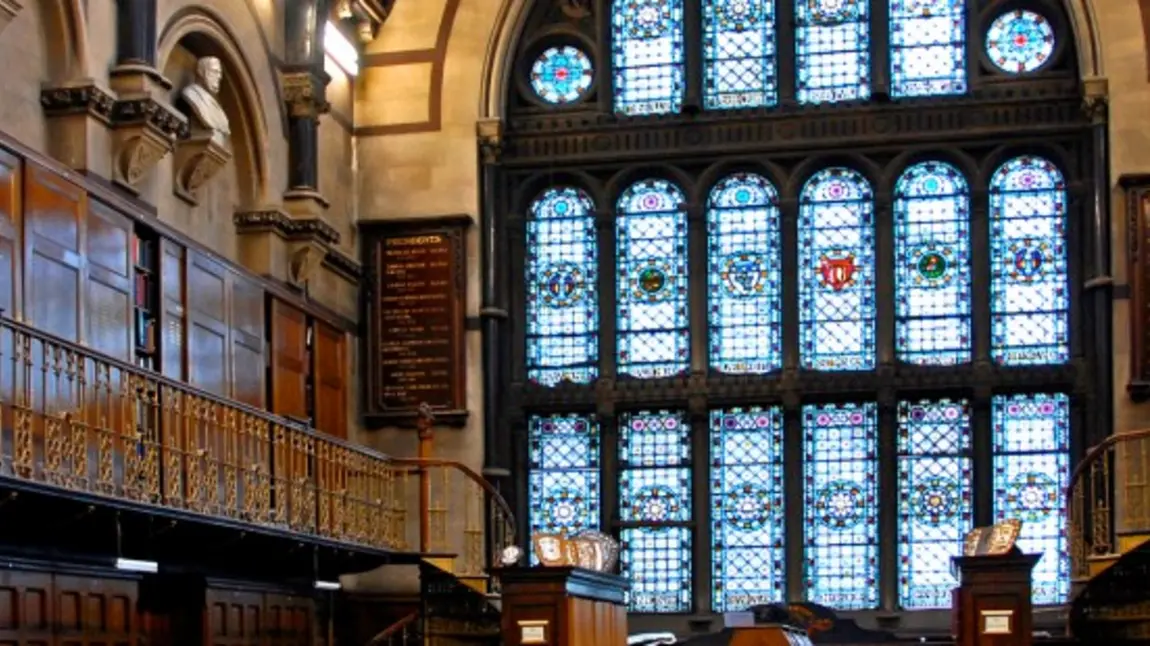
{"points": [[9, 9]]}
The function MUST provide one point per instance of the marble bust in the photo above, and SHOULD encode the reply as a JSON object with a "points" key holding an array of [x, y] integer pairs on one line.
{"points": [[201, 94]]}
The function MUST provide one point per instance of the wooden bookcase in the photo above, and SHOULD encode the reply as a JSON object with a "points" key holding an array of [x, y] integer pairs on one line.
{"points": [[145, 265]]}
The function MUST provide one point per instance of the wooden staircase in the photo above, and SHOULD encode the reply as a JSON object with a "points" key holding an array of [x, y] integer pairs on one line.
{"points": [[1109, 527]]}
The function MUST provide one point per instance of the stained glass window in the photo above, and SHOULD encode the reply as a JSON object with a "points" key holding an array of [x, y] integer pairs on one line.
{"points": [[1019, 41], [932, 265], [836, 258], [1029, 299], [563, 454], [927, 47], [655, 490], [739, 47], [832, 50], [651, 279], [748, 526], [562, 297], [935, 501], [840, 512], [647, 37], [561, 74], [744, 275], [1031, 471]]}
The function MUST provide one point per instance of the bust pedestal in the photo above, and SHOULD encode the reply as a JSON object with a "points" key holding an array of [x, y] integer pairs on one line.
{"points": [[198, 159], [563, 606], [992, 604]]}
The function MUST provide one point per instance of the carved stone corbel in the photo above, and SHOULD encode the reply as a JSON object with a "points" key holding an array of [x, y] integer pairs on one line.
{"points": [[198, 159], [304, 261], [79, 114], [145, 130], [9, 9]]}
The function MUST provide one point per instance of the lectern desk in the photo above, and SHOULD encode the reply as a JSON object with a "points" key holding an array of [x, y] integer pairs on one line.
{"points": [[562, 606], [992, 603]]}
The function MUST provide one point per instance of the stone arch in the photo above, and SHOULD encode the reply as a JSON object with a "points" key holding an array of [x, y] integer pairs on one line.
{"points": [[499, 61], [203, 33], [65, 27]]}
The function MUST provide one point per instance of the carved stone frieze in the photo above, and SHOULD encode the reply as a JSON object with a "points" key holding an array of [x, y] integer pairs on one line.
{"points": [[343, 265], [80, 115], [84, 98], [303, 93], [198, 159], [276, 221], [9, 9]]}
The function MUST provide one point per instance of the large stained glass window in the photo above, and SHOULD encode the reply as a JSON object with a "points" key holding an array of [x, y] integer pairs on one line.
{"points": [[745, 275], [832, 50], [740, 68], [748, 525], [836, 261], [935, 506], [1029, 283], [932, 265], [563, 463], [562, 298], [1019, 41], [651, 266], [1031, 471], [927, 47], [840, 515], [647, 37], [655, 490]]}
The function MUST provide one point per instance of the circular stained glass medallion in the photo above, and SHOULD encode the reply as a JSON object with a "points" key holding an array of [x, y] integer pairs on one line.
{"points": [[738, 15], [936, 500], [563, 284], [1028, 259], [564, 508], [651, 283], [747, 507], [833, 11], [646, 19], [655, 504], [841, 504], [561, 74], [1020, 41], [744, 274], [1033, 496], [932, 265]]}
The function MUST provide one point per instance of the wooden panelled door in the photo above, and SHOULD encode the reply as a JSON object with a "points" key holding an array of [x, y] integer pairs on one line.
{"points": [[10, 252], [289, 360], [330, 380]]}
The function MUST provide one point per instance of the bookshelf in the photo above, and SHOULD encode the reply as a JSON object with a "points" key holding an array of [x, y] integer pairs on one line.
{"points": [[145, 247]]}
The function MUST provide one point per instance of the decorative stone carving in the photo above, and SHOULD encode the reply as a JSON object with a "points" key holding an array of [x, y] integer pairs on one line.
{"points": [[285, 226], [304, 93], [79, 114], [490, 134], [1095, 99], [200, 96], [198, 159], [146, 129], [9, 9], [304, 262]]}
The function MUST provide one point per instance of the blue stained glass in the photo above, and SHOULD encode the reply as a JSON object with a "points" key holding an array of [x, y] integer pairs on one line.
{"points": [[1029, 283], [1031, 472], [655, 489], [561, 74], [836, 258], [840, 510], [647, 38], [740, 69], [745, 275], [562, 289], [932, 265], [927, 47], [1020, 41], [832, 50], [563, 463], [935, 508], [748, 524], [651, 279]]}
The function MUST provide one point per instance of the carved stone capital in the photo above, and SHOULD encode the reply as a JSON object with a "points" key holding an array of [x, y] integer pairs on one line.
{"points": [[9, 9], [198, 159], [1096, 99], [304, 93], [79, 114], [490, 134], [79, 98]]}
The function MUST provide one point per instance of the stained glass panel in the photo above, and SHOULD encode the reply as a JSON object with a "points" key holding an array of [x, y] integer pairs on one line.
{"points": [[840, 513], [748, 525], [935, 508], [836, 258], [651, 279], [655, 489], [832, 50], [562, 288], [1029, 285], [561, 74], [740, 69], [1031, 471], [927, 47], [745, 275], [1020, 41], [563, 463], [932, 265], [647, 38]]}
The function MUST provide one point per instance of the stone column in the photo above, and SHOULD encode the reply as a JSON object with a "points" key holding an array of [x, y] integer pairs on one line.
{"points": [[1098, 290], [497, 450], [305, 87]]}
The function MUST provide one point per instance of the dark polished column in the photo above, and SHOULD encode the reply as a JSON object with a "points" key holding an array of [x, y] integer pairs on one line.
{"points": [[305, 86], [493, 305], [136, 32], [1098, 289]]}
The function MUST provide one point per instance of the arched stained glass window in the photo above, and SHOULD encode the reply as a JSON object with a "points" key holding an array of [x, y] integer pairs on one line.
{"points": [[647, 37], [651, 280], [927, 47], [935, 508], [740, 54], [745, 275], [563, 458], [1029, 283], [836, 265], [932, 265], [832, 50], [562, 289], [1031, 471], [840, 510], [748, 523], [1020, 41]]}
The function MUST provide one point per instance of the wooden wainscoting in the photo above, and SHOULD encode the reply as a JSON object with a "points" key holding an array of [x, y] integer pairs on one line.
{"points": [[55, 609]]}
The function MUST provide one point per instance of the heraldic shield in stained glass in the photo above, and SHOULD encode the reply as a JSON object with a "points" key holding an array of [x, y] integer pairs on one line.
{"points": [[563, 455], [739, 48], [647, 39], [832, 50], [927, 47], [1020, 41], [561, 74]]}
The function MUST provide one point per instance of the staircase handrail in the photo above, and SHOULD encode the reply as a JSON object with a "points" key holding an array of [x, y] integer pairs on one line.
{"points": [[394, 628], [1100, 449], [471, 474]]}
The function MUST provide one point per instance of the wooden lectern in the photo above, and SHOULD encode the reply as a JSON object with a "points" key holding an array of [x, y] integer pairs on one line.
{"points": [[992, 603], [563, 606]]}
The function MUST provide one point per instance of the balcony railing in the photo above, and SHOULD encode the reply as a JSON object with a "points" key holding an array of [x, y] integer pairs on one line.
{"points": [[80, 422]]}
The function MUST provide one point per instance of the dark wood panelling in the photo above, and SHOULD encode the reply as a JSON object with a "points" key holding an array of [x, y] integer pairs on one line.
{"points": [[208, 364], [44, 609], [54, 214], [10, 219], [173, 314], [107, 303], [289, 620], [247, 341], [256, 618], [288, 360], [330, 380]]}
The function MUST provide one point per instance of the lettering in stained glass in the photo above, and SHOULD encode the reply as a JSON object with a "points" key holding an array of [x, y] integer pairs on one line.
{"points": [[562, 288], [1020, 41], [647, 39], [563, 480], [561, 74], [927, 47], [739, 50], [832, 50], [745, 276]]}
